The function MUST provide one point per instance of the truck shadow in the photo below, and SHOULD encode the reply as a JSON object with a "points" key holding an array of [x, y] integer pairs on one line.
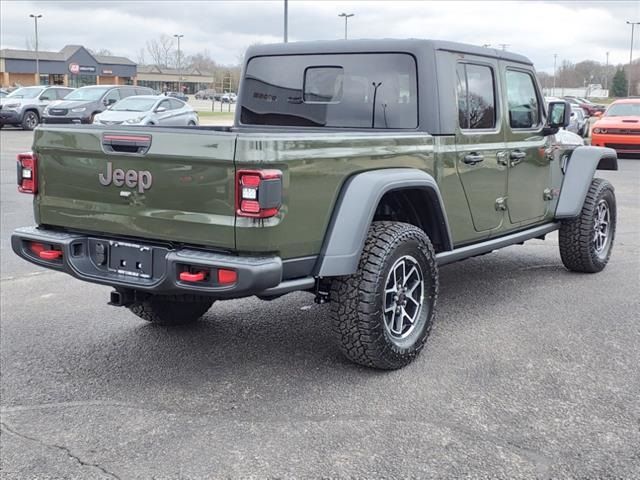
{"points": [[243, 342]]}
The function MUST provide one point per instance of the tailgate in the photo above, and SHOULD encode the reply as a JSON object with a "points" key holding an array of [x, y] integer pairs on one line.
{"points": [[155, 183]]}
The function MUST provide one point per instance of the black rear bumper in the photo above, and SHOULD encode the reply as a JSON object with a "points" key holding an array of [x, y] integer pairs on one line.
{"points": [[255, 275]]}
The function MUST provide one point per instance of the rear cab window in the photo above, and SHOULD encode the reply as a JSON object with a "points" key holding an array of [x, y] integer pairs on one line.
{"points": [[361, 90]]}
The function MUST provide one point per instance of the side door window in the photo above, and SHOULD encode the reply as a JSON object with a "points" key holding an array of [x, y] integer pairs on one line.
{"points": [[112, 97], [522, 100], [476, 97], [48, 94], [176, 104]]}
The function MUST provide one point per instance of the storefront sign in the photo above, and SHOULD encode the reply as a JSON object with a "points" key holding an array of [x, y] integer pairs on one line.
{"points": [[107, 72], [75, 68]]}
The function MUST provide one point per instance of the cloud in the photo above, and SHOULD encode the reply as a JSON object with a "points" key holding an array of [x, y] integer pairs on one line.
{"points": [[574, 30]]}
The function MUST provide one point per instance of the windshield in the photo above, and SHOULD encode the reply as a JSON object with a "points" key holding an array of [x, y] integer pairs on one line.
{"points": [[341, 90], [623, 110], [86, 94], [26, 92], [134, 104]]}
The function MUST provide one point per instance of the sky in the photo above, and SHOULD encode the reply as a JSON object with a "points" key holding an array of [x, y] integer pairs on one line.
{"points": [[575, 30]]}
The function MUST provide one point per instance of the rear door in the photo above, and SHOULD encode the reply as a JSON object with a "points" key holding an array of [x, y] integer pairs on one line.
{"points": [[178, 187], [480, 142], [529, 166]]}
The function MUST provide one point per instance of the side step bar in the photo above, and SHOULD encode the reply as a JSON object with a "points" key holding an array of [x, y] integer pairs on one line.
{"points": [[487, 246]]}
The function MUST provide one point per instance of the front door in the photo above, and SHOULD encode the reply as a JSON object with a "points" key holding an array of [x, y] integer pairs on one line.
{"points": [[529, 171], [480, 145]]}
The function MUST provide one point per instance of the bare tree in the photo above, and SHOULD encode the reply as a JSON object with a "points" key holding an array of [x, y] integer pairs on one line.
{"points": [[141, 57], [104, 52], [162, 50]]}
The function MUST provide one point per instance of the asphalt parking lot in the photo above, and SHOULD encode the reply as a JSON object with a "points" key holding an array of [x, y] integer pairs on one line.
{"points": [[531, 372]]}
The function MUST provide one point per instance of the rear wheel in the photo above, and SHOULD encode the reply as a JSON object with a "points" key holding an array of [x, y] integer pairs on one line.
{"points": [[191, 123], [30, 120], [382, 314], [586, 241], [171, 309]]}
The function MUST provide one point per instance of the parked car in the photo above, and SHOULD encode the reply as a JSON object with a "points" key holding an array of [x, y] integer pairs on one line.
{"points": [[228, 98], [207, 94], [587, 105], [83, 104], [25, 106], [148, 110], [325, 193], [581, 120], [619, 127], [178, 95]]}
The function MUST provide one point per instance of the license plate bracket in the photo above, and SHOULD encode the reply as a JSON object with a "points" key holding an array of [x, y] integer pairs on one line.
{"points": [[131, 259]]}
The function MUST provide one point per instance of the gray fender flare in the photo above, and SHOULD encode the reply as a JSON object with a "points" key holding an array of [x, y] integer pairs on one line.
{"points": [[578, 174], [354, 211]]}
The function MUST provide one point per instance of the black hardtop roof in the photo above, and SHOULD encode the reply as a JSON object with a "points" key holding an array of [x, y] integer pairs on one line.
{"points": [[414, 46]]}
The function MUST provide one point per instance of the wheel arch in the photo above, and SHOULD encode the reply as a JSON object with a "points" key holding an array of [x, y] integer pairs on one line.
{"points": [[30, 109], [389, 194], [579, 172]]}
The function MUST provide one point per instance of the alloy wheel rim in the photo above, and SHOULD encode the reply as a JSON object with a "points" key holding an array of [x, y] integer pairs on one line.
{"points": [[403, 297], [31, 120], [602, 228]]}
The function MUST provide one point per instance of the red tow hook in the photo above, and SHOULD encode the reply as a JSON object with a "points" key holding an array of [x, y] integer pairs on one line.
{"points": [[50, 254], [192, 277]]}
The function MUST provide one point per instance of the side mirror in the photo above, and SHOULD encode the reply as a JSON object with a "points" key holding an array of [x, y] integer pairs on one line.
{"points": [[161, 109], [558, 116], [597, 114]]}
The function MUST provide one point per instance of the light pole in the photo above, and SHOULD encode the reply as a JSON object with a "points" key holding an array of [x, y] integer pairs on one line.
{"points": [[346, 19], [606, 73], [35, 19], [633, 24], [555, 57], [179, 64], [286, 21]]}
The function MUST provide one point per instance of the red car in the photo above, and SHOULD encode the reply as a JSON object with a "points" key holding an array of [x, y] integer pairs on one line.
{"points": [[619, 127], [587, 105]]}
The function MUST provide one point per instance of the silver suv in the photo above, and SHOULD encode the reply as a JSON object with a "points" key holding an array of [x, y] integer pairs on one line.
{"points": [[87, 102], [24, 107]]}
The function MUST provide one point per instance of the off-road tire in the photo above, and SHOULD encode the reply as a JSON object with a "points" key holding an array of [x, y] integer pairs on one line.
{"points": [[27, 120], [576, 236], [171, 309], [357, 301]]}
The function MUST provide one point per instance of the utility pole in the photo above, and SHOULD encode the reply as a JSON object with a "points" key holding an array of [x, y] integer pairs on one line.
{"points": [[555, 58], [179, 64], [286, 21], [346, 18], [503, 46], [606, 73], [633, 24], [35, 19]]}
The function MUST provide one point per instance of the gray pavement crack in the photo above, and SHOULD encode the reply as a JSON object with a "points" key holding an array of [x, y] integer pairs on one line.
{"points": [[62, 448]]}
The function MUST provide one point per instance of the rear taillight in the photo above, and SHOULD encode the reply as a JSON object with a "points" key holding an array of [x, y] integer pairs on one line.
{"points": [[258, 193], [27, 172]]}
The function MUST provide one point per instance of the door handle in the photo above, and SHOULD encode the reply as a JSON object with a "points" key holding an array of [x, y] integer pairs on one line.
{"points": [[517, 156], [472, 158]]}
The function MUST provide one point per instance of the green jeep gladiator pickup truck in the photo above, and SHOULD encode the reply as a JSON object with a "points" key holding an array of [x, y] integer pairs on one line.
{"points": [[353, 170]]}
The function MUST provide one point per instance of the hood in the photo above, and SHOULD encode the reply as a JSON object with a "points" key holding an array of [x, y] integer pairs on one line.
{"points": [[13, 101], [564, 137], [73, 103], [608, 122], [119, 116]]}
